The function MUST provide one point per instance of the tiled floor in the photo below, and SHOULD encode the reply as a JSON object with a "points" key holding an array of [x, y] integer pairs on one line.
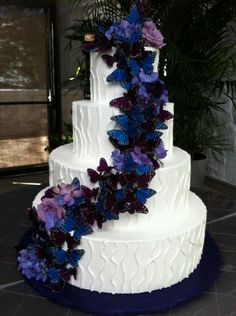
{"points": [[18, 299]]}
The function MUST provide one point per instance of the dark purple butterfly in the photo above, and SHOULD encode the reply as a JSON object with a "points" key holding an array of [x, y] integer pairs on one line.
{"points": [[103, 166], [165, 115], [122, 103], [93, 175], [109, 60]]}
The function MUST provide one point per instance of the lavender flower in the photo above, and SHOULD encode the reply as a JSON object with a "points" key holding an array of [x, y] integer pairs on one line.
{"points": [[124, 30], [30, 265], [50, 212], [151, 35], [68, 193], [139, 157], [160, 150], [117, 160], [148, 78]]}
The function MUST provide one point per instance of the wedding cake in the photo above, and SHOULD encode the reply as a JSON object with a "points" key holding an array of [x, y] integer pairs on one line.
{"points": [[123, 246]]}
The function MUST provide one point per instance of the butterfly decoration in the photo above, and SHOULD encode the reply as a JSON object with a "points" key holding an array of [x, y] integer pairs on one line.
{"points": [[146, 64], [120, 76], [122, 103], [109, 60], [134, 15]]}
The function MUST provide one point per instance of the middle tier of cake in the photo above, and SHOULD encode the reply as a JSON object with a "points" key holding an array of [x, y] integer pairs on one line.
{"points": [[90, 126], [172, 183]]}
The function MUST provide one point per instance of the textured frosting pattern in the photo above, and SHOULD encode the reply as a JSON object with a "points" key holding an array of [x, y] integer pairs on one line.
{"points": [[90, 126], [143, 259], [172, 183], [139, 263], [102, 92]]}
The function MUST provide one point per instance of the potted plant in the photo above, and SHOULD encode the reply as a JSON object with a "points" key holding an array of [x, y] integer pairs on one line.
{"points": [[198, 65]]}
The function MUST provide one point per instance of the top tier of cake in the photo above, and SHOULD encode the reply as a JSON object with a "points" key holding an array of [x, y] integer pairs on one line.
{"points": [[102, 92]]}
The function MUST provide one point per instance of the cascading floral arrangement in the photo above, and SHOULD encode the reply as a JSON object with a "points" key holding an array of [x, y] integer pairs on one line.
{"points": [[67, 212]]}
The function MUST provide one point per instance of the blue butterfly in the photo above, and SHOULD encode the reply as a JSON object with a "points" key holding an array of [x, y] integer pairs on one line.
{"points": [[59, 255], [146, 64], [135, 37], [118, 75], [110, 216], [134, 15], [119, 194], [76, 181], [161, 125], [53, 275], [143, 169], [74, 256], [68, 224], [122, 120], [153, 135], [83, 229], [143, 194], [120, 136], [128, 162]]}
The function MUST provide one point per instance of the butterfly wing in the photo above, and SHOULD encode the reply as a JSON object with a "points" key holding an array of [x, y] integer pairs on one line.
{"points": [[118, 75], [120, 136], [93, 175], [134, 15], [75, 256], [128, 162], [161, 126], [143, 194], [122, 103], [143, 169], [103, 166], [53, 275], [109, 60], [153, 135], [147, 63], [68, 224], [121, 120], [134, 67]]}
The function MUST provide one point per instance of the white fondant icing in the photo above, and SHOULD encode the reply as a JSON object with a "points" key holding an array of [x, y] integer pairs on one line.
{"points": [[90, 126]]}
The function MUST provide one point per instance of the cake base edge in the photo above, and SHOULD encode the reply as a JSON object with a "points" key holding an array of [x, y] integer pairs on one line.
{"points": [[126, 304]]}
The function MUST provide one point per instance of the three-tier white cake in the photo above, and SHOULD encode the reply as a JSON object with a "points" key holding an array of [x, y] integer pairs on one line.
{"points": [[140, 252]]}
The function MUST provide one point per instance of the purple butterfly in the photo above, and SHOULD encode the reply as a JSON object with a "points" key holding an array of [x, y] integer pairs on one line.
{"points": [[109, 60]]}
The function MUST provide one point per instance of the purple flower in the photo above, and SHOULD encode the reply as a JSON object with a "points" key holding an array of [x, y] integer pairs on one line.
{"points": [[50, 212], [124, 30], [117, 160], [139, 157], [151, 35], [30, 265], [68, 193], [148, 78], [112, 29], [160, 150]]}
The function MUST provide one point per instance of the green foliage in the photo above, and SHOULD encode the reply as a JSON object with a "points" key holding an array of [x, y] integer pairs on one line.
{"points": [[198, 64]]}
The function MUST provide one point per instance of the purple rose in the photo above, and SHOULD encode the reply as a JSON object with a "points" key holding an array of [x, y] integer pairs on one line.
{"points": [[139, 157], [160, 150], [117, 160], [50, 212], [152, 36]]}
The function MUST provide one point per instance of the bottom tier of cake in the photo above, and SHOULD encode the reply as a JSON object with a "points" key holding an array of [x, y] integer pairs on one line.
{"points": [[143, 260]]}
